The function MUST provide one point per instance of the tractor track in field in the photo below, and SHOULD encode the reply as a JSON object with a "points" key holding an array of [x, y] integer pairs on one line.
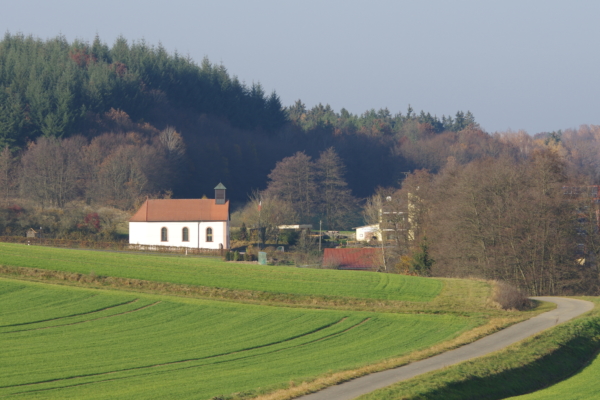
{"points": [[191, 360], [88, 320], [71, 315]]}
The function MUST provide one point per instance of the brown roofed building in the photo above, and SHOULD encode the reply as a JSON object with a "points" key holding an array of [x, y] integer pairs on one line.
{"points": [[194, 223], [362, 259]]}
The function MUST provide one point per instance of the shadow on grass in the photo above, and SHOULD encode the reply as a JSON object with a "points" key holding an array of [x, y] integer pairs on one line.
{"points": [[561, 356]]}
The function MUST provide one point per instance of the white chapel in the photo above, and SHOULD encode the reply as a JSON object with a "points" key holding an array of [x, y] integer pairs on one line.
{"points": [[193, 223]]}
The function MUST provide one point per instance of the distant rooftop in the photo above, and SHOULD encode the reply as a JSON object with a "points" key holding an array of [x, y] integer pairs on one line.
{"points": [[363, 259]]}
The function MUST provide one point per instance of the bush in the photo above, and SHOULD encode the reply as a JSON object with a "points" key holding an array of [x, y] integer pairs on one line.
{"points": [[508, 297], [290, 237]]}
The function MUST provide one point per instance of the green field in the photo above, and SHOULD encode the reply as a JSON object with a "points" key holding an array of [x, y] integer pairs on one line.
{"points": [[69, 342], [212, 272]]}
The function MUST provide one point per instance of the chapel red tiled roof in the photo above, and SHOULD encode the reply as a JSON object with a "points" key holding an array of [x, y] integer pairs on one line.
{"points": [[367, 259], [166, 210]]}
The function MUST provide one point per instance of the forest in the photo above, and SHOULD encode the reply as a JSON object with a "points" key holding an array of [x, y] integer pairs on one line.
{"points": [[88, 131]]}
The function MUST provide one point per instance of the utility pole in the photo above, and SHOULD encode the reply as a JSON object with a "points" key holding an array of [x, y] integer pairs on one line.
{"points": [[259, 227], [320, 235]]}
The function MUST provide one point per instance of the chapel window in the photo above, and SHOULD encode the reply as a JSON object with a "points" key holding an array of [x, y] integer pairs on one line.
{"points": [[209, 236], [185, 235], [163, 235]]}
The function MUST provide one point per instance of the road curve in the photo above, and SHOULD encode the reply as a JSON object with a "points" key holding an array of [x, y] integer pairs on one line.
{"points": [[567, 309]]}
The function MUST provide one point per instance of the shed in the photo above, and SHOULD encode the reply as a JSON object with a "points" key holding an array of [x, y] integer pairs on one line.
{"points": [[359, 259], [32, 233]]}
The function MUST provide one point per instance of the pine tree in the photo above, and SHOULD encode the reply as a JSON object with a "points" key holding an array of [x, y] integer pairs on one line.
{"points": [[7, 165]]}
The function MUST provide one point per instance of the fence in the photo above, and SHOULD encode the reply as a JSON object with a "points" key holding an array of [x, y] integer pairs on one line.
{"points": [[97, 245]]}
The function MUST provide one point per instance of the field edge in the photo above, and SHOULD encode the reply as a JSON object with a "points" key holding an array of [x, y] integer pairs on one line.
{"points": [[536, 363]]}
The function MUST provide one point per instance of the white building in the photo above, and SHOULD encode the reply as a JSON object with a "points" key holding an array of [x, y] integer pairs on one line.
{"points": [[194, 223], [367, 233]]}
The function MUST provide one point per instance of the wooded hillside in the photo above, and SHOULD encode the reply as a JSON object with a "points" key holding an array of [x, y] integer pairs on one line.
{"points": [[232, 132], [88, 131]]}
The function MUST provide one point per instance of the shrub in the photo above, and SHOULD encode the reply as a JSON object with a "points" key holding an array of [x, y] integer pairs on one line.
{"points": [[243, 232], [290, 237], [509, 297]]}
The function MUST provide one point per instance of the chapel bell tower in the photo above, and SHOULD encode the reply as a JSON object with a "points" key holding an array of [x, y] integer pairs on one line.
{"points": [[220, 194]]}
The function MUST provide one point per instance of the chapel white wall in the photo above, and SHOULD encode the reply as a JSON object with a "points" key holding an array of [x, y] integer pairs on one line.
{"points": [[149, 233]]}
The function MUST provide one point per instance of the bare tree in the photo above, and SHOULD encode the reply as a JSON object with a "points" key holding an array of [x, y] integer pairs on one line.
{"points": [[265, 212], [173, 145], [293, 180], [121, 179], [335, 199], [51, 169], [506, 220]]}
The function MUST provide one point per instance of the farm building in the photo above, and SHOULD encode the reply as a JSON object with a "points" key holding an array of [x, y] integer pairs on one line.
{"points": [[367, 233], [193, 223], [32, 233], [361, 259]]}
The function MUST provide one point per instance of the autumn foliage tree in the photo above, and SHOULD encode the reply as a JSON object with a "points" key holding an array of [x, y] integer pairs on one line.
{"points": [[509, 220]]}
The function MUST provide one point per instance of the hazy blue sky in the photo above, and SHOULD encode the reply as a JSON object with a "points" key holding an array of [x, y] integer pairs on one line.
{"points": [[529, 65]]}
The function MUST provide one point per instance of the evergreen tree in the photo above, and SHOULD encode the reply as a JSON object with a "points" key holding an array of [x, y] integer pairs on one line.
{"points": [[243, 232], [422, 261]]}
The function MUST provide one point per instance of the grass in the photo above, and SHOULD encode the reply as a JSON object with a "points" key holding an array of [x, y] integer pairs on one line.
{"points": [[534, 364], [65, 342], [152, 335], [212, 272], [582, 386]]}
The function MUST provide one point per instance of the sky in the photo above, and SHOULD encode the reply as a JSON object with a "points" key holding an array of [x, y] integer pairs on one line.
{"points": [[526, 64]]}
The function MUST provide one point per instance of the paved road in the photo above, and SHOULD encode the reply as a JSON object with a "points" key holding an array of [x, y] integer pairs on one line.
{"points": [[567, 309]]}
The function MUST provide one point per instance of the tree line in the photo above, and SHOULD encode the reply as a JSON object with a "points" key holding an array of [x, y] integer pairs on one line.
{"points": [[97, 126], [233, 133], [303, 191], [113, 170], [53, 88], [528, 215]]}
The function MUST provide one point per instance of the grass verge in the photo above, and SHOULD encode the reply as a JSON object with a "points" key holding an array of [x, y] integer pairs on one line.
{"points": [[457, 297], [525, 367], [215, 273]]}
